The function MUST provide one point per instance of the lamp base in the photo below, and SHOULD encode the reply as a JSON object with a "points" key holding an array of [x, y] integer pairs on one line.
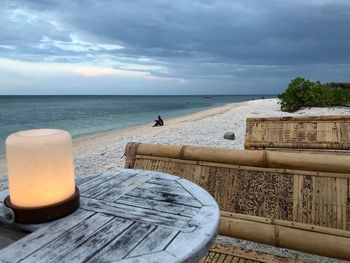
{"points": [[37, 215]]}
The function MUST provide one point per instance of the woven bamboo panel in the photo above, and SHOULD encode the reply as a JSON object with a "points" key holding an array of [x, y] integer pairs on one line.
{"points": [[322, 201], [317, 132], [299, 196], [229, 254]]}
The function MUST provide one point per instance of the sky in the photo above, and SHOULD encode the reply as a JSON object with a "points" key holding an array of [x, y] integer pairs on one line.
{"points": [[156, 47]]}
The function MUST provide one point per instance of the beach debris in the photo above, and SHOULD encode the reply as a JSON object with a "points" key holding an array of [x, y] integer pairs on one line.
{"points": [[229, 136]]}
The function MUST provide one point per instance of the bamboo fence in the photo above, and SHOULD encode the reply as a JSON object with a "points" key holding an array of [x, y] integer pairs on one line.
{"points": [[316, 132], [279, 198]]}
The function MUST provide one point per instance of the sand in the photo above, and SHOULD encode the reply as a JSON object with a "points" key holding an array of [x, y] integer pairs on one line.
{"points": [[104, 151], [101, 152]]}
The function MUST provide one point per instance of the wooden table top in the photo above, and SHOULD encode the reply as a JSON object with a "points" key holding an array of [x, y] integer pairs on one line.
{"points": [[130, 216]]}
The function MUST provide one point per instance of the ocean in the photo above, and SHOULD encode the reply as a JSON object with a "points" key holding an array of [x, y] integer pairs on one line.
{"points": [[81, 115]]}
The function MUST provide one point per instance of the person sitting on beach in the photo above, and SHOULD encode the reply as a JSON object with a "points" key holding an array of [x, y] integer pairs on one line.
{"points": [[159, 122]]}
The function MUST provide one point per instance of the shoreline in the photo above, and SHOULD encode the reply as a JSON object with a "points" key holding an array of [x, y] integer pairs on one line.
{"points": [[84, 144], [104, 151], [81, 144]]}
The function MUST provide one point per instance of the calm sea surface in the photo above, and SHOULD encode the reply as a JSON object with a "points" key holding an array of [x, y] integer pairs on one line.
{"points": [[88, 114]]}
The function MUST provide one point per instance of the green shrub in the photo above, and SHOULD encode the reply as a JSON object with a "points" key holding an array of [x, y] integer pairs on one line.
{"points": [[305, 93], [318, 95], [341, 98], [292, 98]]}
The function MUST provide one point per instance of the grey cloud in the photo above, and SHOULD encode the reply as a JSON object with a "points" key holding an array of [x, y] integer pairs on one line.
{"points": [[241, 33], [192, 39]]}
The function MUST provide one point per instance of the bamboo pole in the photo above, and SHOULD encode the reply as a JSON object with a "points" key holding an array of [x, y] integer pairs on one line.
{"points": [[314, 242], [333, 163], [280, 233], [227, 156], [162, 150], [309, 161], [247, 229]]}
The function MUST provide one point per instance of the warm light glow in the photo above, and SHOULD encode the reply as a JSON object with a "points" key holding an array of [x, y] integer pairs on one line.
{"points": [[40, 167]]}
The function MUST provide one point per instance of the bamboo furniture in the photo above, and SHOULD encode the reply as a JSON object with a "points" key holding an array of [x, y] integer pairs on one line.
{"points": [[311, 132], [131, 216], [292, 200], [228, 254]]}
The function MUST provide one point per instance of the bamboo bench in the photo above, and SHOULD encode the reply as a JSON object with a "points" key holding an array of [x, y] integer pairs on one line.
{"points": [[292, 200], [321, 133]]}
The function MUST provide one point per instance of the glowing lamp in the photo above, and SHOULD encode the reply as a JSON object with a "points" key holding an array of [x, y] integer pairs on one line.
{"points": [[41, 175]]}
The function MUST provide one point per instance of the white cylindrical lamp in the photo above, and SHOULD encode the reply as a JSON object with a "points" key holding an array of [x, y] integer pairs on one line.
{"points": [[41, 175]]}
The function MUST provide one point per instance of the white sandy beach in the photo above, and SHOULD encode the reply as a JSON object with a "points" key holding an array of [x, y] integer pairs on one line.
{"points": [[104, 151], [101, 152]]}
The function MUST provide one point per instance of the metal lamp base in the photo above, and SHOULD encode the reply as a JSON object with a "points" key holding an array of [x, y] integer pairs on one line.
{"points": [[37, 215]]}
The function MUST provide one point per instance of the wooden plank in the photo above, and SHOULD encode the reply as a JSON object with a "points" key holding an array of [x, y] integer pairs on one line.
{"points": [[221, 258], [123, 245], [170, 198], [90, 247], [210, 257], [323, 202], [159, 175], [197, 192], [159, 257], [228, 259], [134, 213], [345, 199], [339, 201], [216, 257], [160, 206], [123, 188], [204, 258], [330, 218], [70, 239], [165, 189], [31, 243], [159, 181], [156, 241], [333, 203], [10, 235], [95, 181], [84, 178], [116, 181], [206, 224]]}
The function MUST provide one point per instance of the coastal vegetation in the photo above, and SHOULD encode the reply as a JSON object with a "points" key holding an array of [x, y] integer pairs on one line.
{"points": [[305, 93]]}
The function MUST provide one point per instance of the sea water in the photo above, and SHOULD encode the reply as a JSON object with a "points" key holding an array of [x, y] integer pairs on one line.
{"points": [[82, 115]]}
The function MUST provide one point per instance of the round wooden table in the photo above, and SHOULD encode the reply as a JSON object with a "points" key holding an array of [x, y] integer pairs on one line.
{"points": [[131, 216]]}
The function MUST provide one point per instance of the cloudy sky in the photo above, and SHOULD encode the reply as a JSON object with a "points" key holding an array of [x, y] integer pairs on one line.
{"points": [[170, 47]]}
